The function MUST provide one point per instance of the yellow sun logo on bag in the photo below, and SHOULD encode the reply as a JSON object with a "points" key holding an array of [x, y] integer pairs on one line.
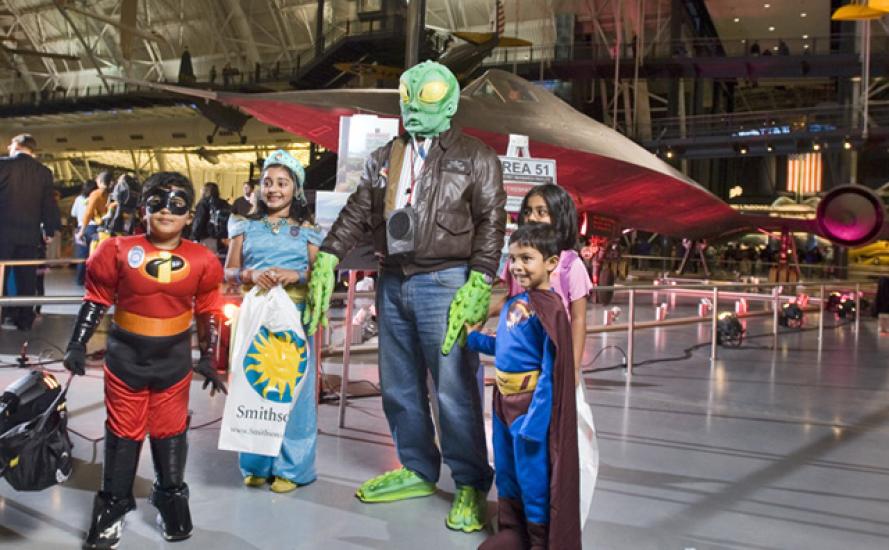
{"points": [[275, 364]]}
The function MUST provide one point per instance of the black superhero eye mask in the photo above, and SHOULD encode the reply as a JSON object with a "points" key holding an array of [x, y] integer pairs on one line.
{"points": [[174, 200]]}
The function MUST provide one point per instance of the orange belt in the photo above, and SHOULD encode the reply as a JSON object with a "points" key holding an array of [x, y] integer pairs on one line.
{"points": [[152, 326]]}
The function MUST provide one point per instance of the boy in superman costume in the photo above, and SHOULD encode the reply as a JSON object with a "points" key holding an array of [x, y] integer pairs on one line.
{"points": [[535, 417], [158, 282]]}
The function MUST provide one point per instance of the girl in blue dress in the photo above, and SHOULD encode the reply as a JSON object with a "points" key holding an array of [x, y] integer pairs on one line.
{"points": [[276, 244]]}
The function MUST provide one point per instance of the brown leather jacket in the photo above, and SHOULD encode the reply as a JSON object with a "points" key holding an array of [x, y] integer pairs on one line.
{"points": [[459, 199]]}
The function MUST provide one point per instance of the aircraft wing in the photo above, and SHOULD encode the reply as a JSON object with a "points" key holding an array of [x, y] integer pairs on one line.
{"points": [[607, 173], [476, 38], [513, 42], [314, 115]]}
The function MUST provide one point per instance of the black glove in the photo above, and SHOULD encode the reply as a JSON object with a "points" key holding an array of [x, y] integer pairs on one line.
{"points": [[75, 358], [87, 320], [211, 376], [208, 341]]}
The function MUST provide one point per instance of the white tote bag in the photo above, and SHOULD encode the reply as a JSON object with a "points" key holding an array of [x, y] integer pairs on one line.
{"points": [[588, 450], [268, 365]]}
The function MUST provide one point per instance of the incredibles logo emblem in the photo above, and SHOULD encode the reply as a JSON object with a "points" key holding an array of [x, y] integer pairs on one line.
{"points": [[164, 267]]}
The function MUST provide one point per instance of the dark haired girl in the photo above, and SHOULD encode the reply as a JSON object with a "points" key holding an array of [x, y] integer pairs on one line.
{"points": [[553, 205], [276, 245]]}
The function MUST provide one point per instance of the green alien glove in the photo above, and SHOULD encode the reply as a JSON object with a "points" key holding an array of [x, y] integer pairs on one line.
{"points": [[320, 289], [470, 305]]}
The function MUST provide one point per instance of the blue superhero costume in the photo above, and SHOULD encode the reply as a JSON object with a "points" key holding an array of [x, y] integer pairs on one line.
{"points": [[534, 425]]}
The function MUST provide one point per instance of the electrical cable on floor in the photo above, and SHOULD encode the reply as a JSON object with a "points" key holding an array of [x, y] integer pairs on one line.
{"points": [[205, 424]]}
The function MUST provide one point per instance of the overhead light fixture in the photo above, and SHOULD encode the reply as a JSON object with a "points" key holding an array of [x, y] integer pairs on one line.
{"points": [[669, 153], [769, 147], [771, 29], [743, 150], [816, 146], [803, 14], [767, 6], [805, 37], [805, 46], [737, 20], [847, 144], [856, 12]]}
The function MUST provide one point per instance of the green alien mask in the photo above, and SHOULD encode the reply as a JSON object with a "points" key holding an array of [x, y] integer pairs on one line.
{"points": [[429, 97]]}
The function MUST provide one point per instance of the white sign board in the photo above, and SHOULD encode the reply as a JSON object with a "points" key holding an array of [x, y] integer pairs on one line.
{"points": [[360, 135], [521, 174]]}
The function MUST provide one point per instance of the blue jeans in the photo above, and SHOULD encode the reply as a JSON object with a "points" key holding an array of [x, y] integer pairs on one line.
{"points": [[90, 234], [81, 251], [413, 319]]}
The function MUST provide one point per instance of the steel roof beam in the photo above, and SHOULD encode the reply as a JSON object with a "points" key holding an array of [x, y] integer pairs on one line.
{"points": [[242, 29]]}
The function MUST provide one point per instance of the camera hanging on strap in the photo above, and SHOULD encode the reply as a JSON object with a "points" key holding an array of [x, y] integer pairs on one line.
{"points": [[401, 225]]}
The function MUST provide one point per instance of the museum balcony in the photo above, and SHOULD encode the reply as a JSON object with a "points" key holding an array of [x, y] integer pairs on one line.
{"points": [[765, 57], [765, 132]]}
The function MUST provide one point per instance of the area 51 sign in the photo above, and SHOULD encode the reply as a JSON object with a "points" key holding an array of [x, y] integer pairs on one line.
{"points": [[521, 173]]}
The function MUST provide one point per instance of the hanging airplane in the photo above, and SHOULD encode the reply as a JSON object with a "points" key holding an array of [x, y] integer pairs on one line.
{"points": [[617, 183], [461, 59]]}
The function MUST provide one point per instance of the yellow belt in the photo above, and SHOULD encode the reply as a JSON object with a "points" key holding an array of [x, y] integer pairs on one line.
{"points": [[510, 383], [152, 326]]}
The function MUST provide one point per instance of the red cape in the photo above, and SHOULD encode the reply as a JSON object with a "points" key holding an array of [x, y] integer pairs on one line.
{"points": [[564, 488]]}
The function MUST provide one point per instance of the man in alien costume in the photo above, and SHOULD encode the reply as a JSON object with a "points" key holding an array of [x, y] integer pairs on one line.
{"points": [[453, 184]]}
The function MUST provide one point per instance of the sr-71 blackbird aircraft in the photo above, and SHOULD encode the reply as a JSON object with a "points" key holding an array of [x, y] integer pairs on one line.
{"points": [[609, 175]]}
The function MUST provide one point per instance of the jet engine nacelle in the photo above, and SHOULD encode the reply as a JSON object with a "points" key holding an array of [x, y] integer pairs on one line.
{"points": [[851, 215]]}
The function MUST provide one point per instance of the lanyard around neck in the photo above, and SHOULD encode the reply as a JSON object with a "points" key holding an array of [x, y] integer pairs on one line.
{"points": [[418, 150]]}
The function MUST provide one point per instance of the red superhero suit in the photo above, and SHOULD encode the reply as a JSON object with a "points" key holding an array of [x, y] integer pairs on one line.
{"points": [[148, 369], [148, 363]]}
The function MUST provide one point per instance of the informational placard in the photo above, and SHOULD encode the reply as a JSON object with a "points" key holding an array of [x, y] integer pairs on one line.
{"points": [[328, 205], [360, 135], [521, 174]]}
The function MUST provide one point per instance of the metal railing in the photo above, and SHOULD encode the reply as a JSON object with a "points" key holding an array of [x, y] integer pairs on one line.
{"points": [[689, 48], [60, 262], [714, 290], [757, 124], [750, 267], [709, 289]]}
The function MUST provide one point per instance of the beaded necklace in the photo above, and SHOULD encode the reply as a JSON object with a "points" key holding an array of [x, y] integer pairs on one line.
{"points": [[276, 225]]}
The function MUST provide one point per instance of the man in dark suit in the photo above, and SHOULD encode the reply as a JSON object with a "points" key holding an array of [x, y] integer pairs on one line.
{"points": [[244, 204], [26, 202]]}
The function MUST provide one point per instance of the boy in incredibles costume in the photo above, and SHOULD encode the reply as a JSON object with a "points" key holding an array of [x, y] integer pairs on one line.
{"points": [[157, 283], [535, 418]]}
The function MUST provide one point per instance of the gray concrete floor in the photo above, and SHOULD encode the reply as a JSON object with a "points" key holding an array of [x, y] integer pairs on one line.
{"points": [[766, 449]]}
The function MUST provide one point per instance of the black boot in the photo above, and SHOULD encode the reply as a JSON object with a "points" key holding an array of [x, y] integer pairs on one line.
{"points": [[170, 493], [116, 497]]}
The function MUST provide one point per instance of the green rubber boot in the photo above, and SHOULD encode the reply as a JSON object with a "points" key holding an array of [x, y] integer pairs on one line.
{"points": [[468, 510], [400, 484]]}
